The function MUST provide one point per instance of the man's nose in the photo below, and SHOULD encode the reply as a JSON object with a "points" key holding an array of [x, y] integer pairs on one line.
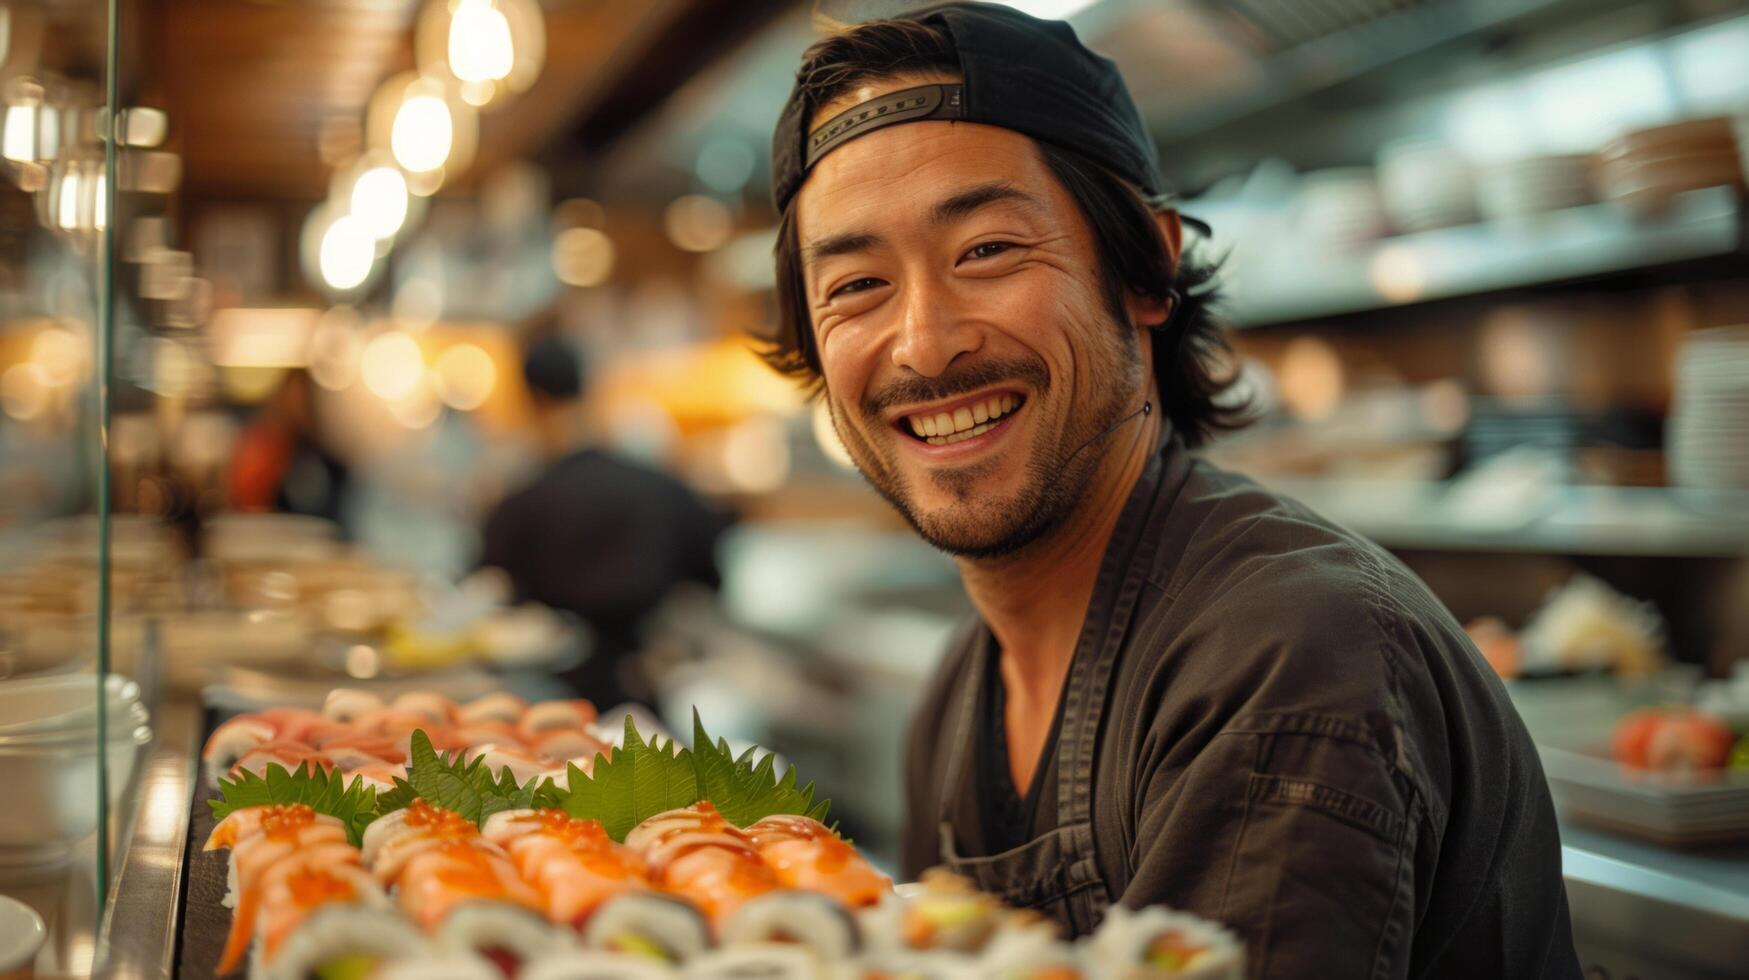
{"points": [[932, 330]]}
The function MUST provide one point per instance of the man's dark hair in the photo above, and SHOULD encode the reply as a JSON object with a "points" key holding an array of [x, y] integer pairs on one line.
{"points": [[553, 370], [1132, 252]]}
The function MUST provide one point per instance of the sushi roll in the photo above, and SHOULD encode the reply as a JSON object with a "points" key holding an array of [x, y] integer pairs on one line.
{"points": [[347, 704], [812, 921], [1160, 944], [554, 716], [951, 914], [294, 890], [598, 966], [441, 966], [654, 927], [505, 936], [806, 854], [431, 706], [1031, 954], [247, 821], [233, 740], [260, 871], [500, 707], [759, 961], [343, 942], [436, 881]]}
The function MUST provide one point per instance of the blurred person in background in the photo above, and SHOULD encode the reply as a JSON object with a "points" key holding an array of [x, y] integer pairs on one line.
{"points": [[282, 462], [1179, 688], [596, 534]]}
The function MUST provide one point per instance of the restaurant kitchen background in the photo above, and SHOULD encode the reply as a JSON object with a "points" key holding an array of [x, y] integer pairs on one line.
{"points": [[268, 271]]}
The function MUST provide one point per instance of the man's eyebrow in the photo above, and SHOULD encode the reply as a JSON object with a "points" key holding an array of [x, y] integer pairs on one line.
{"points": [[844, 244], [972, 198]]}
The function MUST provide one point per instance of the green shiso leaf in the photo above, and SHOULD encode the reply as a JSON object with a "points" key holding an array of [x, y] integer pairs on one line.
{"points": [[744, 791], [353, 804], [469, 789], [632, 784]]}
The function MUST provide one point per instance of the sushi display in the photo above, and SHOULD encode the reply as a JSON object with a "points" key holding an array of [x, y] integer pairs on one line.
{"points": [[645, 860]]}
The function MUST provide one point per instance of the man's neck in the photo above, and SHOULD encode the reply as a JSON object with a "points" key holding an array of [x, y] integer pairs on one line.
{"points": [[1034, 601]]}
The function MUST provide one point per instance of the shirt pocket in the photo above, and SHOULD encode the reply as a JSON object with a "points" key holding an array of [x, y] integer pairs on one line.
{"points": [[1321, 881], [1054, 874]]}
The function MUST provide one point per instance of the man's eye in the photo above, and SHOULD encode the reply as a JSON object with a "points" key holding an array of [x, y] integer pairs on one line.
{"points": [[988, 250], [857, 286]]}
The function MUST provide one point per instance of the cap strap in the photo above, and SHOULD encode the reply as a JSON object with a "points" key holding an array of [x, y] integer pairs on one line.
{"points": [[907, 105]]}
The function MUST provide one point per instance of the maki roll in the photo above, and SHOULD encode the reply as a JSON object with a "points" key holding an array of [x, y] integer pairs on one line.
{"points": [[294, 890], [759, 961], [948, 914], [656, 927], [256, 882], [346, 704], [441, 966], [813, 922], [1160, 944], [342, 942], [505, 936], [598, 966], [1032, 954], [806, 854]]}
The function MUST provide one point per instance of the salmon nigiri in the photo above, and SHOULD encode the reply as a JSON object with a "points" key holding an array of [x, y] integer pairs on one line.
{"points": [[246, 822], [295, 888], [395, 838], [806, 854], [697, 853], [437, 880], [574, 864]]}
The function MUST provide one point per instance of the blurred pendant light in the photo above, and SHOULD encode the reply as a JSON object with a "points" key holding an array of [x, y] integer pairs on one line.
{"points": [[492, 48], [375, 191], [429, 134], [338, 250]]}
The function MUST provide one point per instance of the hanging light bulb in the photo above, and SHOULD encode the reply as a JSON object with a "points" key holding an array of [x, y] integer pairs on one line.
{"points": [[348, 253], [423, 133], [480, 47], [379, 200]]}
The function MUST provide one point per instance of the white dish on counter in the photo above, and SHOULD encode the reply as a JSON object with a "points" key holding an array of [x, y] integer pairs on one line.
{"points": [[60, 702], [22, 935]]}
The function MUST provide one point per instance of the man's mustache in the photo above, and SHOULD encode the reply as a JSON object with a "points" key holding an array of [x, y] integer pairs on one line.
{"points": [[973, 376]]}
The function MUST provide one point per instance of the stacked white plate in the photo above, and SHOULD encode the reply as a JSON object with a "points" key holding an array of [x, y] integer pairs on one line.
{"points": [[49, 759], [1707, 435], [1673, 809], [1522, 188]]}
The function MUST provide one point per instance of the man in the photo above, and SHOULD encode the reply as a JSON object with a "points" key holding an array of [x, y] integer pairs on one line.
{"points": [[1179, 687], [595, 534]]}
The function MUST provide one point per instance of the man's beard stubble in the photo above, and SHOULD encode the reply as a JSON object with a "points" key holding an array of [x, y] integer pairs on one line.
{"points": [[1057, 475]]}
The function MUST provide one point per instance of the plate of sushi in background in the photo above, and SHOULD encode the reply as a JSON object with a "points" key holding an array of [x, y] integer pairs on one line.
{"points": [[624, 857]]}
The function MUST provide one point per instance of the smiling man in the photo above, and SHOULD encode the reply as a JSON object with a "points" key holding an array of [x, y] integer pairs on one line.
{"points": [[1179, 688]]}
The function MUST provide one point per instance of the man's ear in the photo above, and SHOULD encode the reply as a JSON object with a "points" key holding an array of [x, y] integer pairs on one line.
{"points": [[1147, 311]]}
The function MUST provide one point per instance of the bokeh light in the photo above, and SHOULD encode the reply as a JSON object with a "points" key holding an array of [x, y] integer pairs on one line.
{"points": [[348, 252], [392, 365], [423, 133], [582, 257], [464, 376], [379, 200], [698, 223]]}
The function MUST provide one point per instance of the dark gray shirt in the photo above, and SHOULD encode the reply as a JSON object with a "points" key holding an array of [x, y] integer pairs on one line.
{"points": [[1295, 739]]}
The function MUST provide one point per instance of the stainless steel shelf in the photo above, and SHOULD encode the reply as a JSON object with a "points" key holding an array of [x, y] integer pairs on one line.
{"points": [[1567, 520], [1558, 246]]}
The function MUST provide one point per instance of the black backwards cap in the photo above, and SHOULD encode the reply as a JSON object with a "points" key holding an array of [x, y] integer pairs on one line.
{"points": [[1018, 72]]}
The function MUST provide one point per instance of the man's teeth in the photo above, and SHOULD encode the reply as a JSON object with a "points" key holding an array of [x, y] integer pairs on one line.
{"points": [[943, 429]]}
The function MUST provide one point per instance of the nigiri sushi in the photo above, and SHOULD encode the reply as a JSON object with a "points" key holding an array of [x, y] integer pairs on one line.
{"points": [[395, 838], [247, 822], [349, 704], [432, 706], [806, 854], [233, 740], [697, 853], [550, 716], [569, 743], [436, 880], [500, 707], [287, 755], [572, 863]]}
